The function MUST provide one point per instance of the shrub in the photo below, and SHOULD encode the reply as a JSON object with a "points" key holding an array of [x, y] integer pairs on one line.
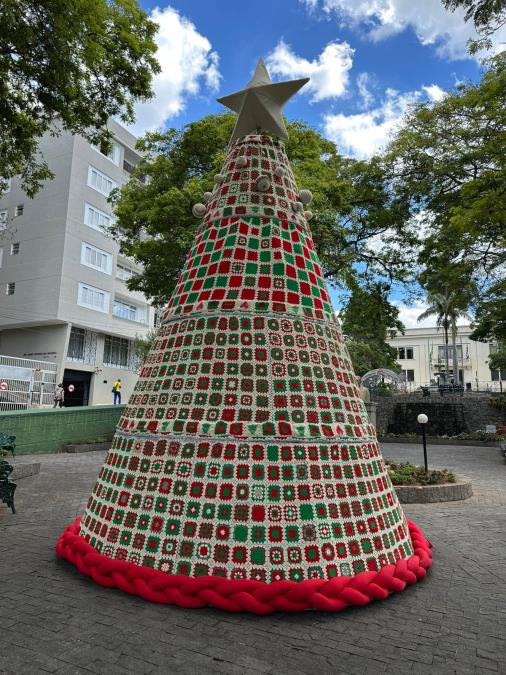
{"points": [[410, 474]]}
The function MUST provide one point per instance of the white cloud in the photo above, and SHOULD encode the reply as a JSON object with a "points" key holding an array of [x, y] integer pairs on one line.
{"points": [[363, 134], [329, 72], [409, 314], [188, 64], [364, 90], [434, 92], [432, 23]]}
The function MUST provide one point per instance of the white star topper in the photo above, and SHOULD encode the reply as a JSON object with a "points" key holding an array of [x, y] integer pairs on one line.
{"points": [[260, 104]]}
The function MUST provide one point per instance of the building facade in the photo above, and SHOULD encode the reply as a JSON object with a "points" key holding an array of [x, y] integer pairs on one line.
{"points": [[421, 353], [63, 293]]}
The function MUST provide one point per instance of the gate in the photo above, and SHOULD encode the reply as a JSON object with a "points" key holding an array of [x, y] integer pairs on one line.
{"points": [[26, 383]]}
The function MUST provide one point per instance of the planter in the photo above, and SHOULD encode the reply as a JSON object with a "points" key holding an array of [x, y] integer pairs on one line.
{"points": [[428, 494]]}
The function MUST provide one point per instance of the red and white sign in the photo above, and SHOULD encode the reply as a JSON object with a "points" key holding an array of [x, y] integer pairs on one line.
{"points": [[71, 387], [4, 386]]}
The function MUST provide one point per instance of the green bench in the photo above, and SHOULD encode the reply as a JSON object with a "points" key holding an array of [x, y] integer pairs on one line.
{"points": [[7, 487], [7, 442]]}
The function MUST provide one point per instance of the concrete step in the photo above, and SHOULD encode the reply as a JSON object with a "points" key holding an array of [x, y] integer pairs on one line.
{"points": [[86, 447]]}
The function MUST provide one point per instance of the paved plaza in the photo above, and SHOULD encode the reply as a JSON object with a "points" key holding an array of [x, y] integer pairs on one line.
{"points": [[53, 619]]}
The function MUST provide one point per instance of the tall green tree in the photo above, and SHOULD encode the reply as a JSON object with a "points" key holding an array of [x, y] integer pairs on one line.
{"points": [[449, 161], [357, 219], [368, 320], [445, 307], [68, 64], [489, 322], [487, 16]]}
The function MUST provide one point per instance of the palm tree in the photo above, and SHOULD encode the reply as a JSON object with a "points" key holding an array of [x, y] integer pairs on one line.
{"points": [[445, 307]]}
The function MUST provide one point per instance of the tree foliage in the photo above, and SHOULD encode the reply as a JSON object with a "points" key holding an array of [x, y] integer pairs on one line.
{"points": [[490, 315], [449, 160], [487, 15], [368, 320], [356, 217], [68, 64]]}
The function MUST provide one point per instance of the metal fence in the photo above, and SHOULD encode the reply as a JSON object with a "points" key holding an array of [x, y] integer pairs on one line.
{"points": [[26, 383]]}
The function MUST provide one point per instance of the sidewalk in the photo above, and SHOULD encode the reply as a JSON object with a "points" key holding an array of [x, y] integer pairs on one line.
{"points": [[53, 619]]}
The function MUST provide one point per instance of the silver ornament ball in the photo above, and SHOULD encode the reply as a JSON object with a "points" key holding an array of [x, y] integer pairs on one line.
{"points": [[207, 196], [198, 210], [263, 183], [279, 172], [305, 197], [308, 215], [219, 178], [241, 162]]}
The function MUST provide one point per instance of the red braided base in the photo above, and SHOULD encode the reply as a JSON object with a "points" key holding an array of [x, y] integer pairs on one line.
{"points": [[244, 595]]}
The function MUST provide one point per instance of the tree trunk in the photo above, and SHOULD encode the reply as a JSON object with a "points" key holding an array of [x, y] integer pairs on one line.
{"points": [[456, 377], [446, 350]]}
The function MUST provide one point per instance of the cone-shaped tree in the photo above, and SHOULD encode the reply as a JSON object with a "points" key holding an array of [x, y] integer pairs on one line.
{"points": [[244, 472]]}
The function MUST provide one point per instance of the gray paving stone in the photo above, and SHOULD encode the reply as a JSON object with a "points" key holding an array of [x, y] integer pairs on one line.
{"points": [[53, 619]]}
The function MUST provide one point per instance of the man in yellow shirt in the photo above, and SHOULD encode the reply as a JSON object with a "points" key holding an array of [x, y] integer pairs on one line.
{"points": [[116, 390]]}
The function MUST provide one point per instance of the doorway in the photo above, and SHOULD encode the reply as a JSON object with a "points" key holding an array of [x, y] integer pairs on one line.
{"points": [[79, 382]]}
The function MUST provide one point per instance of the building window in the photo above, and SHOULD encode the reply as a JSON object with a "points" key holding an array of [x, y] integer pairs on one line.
{"points": [[119, 353], [94, 257], [4, 217], [15, 248], [19, 210], [124, 273], [10, 288], [96, 218], [405, 353], [113, 154], [93, 298], [124, 310], [82, 346], [441, 350], [157, 318], [409, 375], [100, 181], [498, 375]]}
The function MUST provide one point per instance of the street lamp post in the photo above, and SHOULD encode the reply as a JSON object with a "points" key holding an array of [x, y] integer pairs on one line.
{"points": [[422, 419]]}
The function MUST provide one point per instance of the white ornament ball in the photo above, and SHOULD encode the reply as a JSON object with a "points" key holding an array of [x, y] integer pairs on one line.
{"points": [[219, 178], [308, 215], [199, 210], [241, 162], [207, 196], [263, 183], [279, 172], [305, 197], [297, 207]]}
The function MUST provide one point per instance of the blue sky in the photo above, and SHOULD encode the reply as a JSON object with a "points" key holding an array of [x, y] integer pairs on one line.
{"points": [[367, 59]]}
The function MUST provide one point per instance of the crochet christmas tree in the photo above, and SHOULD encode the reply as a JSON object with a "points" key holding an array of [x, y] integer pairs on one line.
{"points": [[244, 472]]}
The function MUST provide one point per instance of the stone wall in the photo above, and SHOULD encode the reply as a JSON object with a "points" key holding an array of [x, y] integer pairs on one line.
{"points": [[49, 430], [448, 415]]}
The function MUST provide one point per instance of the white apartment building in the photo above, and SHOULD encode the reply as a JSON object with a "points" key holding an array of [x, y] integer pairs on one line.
{"points": [[421, 355], [63, 296]]}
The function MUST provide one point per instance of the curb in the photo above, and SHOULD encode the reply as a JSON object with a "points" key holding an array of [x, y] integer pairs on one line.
{"points": [[24, 470], [434, 440], [86, 447], [429, 494]]}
